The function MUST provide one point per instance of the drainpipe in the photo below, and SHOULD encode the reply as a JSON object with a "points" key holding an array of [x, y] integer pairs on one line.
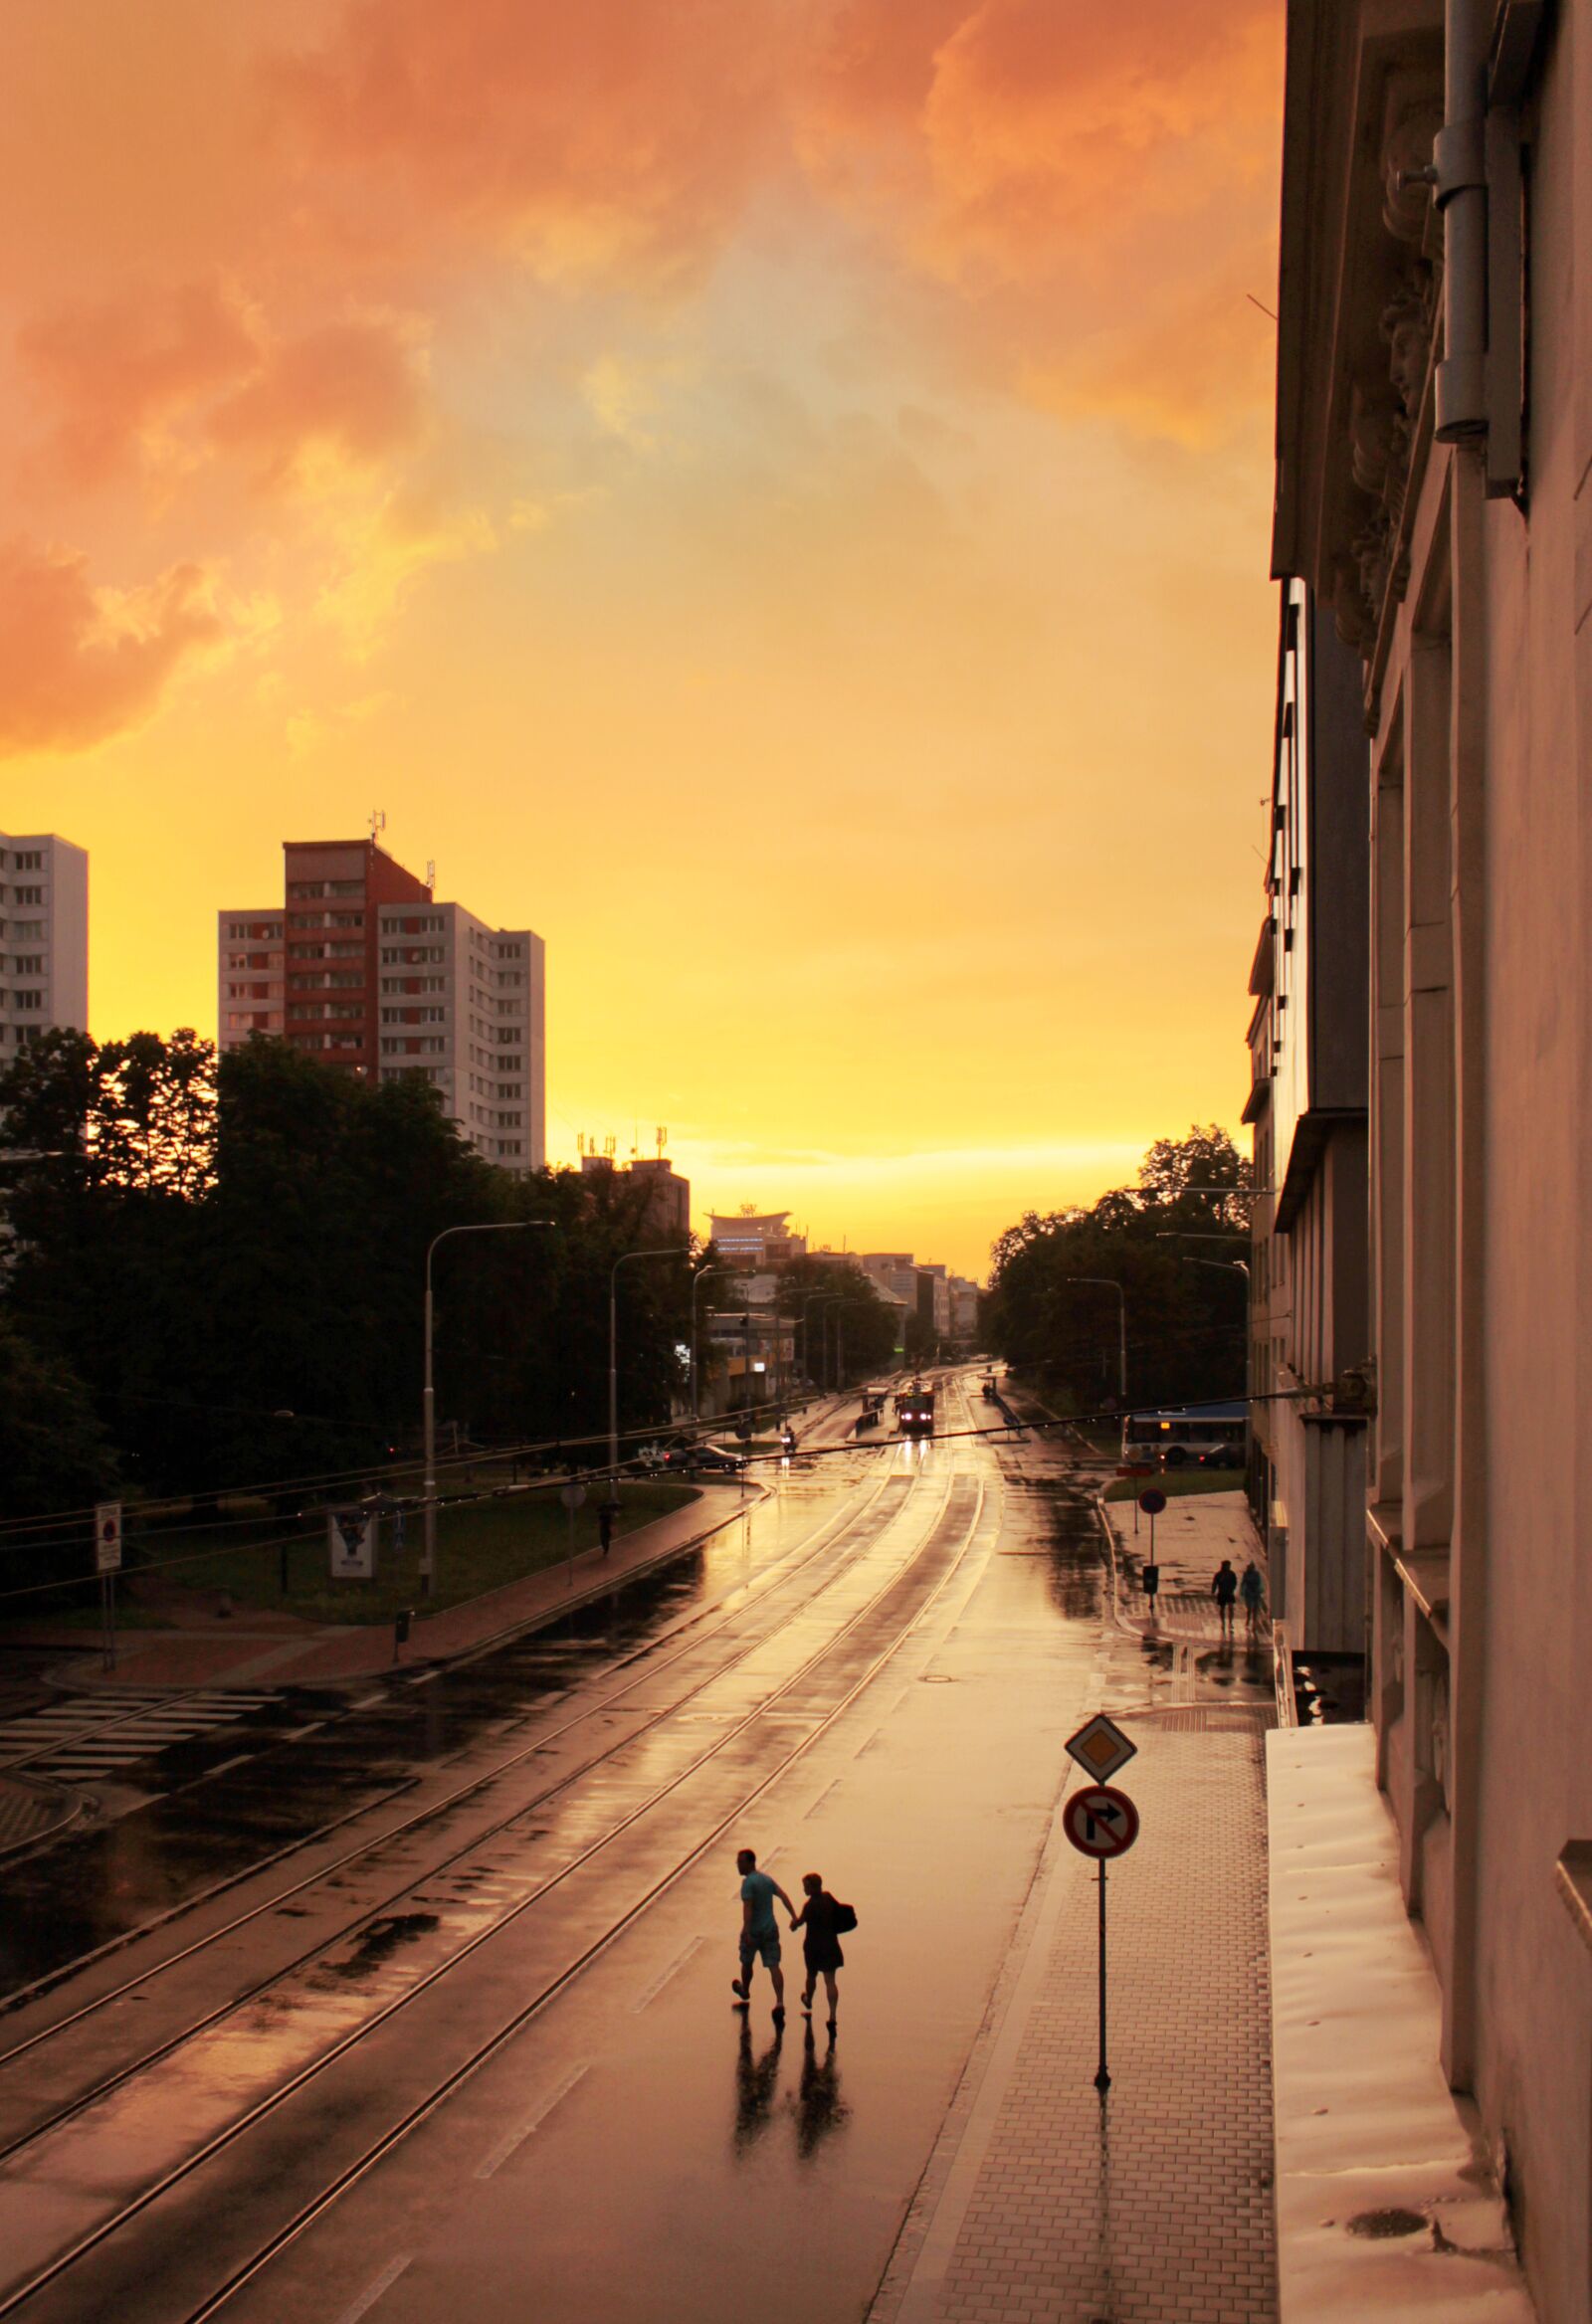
{"points": [[1459, 176]]}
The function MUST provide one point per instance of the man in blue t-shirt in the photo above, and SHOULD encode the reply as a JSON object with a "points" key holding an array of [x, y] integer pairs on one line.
{"points": [[759, 1931]]}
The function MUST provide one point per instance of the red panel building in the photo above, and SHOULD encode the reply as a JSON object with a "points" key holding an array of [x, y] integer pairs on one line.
{"points": [[334, 891]]}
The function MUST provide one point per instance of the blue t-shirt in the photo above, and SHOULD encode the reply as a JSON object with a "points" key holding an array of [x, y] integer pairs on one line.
{"points": [[758, 1891]]}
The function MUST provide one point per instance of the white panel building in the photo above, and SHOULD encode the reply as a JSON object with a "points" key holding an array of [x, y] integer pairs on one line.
{"points": [[44, 937], [463, 1006]]}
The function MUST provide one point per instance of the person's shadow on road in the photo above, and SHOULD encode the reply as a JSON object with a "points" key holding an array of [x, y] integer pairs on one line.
{"points": [[820, 2109], [755, 2087]]}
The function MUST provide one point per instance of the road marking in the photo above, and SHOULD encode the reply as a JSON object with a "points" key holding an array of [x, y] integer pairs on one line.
{"points": [[423, 1677], [227, 1763], [822, 1797], [534, 2121], [377, 2286], [658, 1982], [875, 1737]]}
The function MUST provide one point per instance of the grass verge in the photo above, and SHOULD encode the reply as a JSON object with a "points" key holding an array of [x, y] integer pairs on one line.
{"points": [[1176, 1483]]}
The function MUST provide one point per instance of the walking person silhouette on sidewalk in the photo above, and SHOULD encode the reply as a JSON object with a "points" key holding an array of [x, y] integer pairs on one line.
{"points": [[1252, 1589], [605, 1526], [759, 1931], [1224, 1589]]}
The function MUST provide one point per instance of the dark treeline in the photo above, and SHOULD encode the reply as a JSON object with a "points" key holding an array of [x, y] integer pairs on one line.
{"points": [[212, 1275], [1171, 1245]]}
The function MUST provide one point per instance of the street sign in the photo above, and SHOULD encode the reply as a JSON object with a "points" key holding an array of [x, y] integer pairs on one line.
{"points": [[107, 1537], [573, 1496], [351, 1544], [1101, 1747], [1153, 1501], [1100, 1822]]}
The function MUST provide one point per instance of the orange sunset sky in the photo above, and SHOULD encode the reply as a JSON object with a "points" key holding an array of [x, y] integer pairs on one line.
{"points": [[772, 494]]}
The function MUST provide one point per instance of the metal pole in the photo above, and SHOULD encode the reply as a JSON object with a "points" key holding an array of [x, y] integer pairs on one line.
{"points": [[670, 1251], [1102, 2079], [428, 1401]]}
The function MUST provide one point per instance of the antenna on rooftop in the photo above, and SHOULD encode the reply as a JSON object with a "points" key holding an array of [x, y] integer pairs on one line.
{"points": [[378, 822], [663, 1141], [431, 872]]}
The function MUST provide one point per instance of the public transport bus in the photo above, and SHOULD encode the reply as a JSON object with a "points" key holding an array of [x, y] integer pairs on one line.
{"points": [[1187, 1436], [915, 1411]]}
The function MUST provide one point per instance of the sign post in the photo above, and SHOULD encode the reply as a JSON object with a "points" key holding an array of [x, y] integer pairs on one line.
{"points": [[1100, 1823], [107, 1564], [572, 1496]]}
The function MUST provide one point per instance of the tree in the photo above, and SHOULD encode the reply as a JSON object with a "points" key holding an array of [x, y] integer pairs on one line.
{"points": [[1049, 1316], [846, 1317], [54, 1455]]}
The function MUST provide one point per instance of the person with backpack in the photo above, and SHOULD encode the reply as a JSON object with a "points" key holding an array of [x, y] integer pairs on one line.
{"points": [[1224, 1589], [824, 1920]]}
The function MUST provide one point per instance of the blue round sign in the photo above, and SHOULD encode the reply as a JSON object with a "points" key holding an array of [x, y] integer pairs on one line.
{"points": [[1153, 1501]]}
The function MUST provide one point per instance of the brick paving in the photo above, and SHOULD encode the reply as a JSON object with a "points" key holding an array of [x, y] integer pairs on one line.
{"points": [[1039, 2210]]}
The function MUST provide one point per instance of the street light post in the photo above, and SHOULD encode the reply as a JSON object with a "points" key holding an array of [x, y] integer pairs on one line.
{"points": [[669, 1251], [428, 1406], [696, 1281], [810, 1299], [840, 1338], [1108, 1283]]}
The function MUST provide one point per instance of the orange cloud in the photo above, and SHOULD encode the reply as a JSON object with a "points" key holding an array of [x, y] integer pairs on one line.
{"points": [[618, 136], [350, 387], [78, 664], [112, 369], [1078, 178]]}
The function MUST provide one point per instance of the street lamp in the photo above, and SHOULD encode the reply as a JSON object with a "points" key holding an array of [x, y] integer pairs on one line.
{"points": [[810, 1299], [669, 1251], [840, 1336], [1106, 1283], [427, 1407], [696, 1281]]}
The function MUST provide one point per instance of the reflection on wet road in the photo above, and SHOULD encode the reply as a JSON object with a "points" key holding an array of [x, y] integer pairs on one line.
{"points": [[518, 1879]]}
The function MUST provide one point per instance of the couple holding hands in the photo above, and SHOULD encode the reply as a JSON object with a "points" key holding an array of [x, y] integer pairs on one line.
{"points": [[823, 1918]]}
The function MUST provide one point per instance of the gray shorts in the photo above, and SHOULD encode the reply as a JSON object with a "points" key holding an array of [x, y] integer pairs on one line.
{"points": [[761, 1944]]}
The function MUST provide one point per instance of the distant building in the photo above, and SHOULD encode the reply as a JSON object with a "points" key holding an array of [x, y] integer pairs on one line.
{"points": [[44, 937], [363, 968], [666, 1211], [893, 1271], [964, 1311], [1310, 1074], [756, 1238]]}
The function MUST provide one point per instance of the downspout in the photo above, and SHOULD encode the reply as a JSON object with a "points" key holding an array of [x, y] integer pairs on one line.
{"points": [[1459, 178]]}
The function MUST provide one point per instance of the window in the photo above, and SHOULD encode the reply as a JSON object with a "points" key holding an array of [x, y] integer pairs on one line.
{"points": [[30, 859], [28, 964], [345, 1009], [27, 1000], [29, 895]]}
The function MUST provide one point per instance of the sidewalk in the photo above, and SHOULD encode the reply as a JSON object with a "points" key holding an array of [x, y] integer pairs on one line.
{"points": [[1193, 1534], [256, 1646], [32, 1810], [1043, 2205]]}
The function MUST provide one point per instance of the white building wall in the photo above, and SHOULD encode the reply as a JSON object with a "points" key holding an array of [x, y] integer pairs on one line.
{"points": [[44, 936], [464, 1005]]}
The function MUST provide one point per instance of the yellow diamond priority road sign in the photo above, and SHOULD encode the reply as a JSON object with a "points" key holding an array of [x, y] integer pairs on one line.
{"points": [[1100, 1748]]}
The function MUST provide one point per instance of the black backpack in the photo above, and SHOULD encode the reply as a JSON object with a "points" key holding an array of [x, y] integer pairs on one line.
{"points": [[845, 1918]]}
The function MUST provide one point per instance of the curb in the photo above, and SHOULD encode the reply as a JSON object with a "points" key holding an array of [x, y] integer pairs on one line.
{"points": [[74, 1807]]}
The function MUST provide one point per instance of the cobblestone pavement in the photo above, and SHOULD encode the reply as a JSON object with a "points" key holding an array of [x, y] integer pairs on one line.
{"points": [[1041, 2206]]}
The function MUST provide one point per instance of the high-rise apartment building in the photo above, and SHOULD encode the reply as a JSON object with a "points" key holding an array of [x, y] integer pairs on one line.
{"points": [[44, 937], [365, 970]]}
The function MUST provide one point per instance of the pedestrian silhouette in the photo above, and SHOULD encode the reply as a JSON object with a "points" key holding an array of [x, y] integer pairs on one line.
{"points": [[1252, 1589], [605, 1527], [821, 1951], [1224, 1589], [759, 1931]]}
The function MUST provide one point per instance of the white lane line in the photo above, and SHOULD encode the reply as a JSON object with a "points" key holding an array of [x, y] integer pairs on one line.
{"points": [[423, 1677], [658, 1982], [534, 2121], [822, 1797], [875, 1737], [374, 2289], [226, 1763]]}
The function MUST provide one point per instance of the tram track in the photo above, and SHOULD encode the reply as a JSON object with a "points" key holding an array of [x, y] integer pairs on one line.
{"points": [[919, 1580], [837, 1541]]}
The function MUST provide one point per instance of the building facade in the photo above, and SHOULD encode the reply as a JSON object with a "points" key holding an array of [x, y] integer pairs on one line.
{"points": [[363, 968], [1309, 1319], [1433, 489], [44, 937], [755, 1238]]}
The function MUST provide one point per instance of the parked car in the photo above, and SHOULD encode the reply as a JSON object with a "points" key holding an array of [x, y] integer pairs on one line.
{"points": [[704, 1461]]}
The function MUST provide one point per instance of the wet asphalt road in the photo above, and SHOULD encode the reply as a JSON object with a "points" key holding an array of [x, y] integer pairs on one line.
{"points": [[474, 2039]]}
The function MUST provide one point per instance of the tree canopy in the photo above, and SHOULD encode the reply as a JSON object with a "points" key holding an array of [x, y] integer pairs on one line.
{"points": [[1175, 1244]]}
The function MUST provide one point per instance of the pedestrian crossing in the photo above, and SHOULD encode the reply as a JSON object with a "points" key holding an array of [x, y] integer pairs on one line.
{"points": [[96, 1735]]}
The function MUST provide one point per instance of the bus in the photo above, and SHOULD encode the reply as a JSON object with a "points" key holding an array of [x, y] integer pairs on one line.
{"points": [[1187, 1436]]}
